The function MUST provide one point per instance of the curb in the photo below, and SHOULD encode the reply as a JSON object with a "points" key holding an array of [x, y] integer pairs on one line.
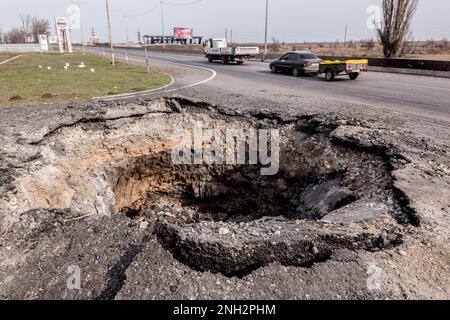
{"points": [[414, 72], [138, 93], [135, 94], [161, 89]]}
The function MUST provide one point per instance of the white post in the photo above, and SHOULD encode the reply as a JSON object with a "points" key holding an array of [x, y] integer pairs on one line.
{"points": [[146, 59]]}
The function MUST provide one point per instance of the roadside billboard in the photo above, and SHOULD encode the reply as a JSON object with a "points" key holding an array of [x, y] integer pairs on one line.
{"points": [[183, 33]]}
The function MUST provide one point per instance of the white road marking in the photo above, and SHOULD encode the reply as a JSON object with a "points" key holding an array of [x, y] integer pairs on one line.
{"points": [[127, 95], [161, 90], [415, 85], [13, 58], [213, 74]]}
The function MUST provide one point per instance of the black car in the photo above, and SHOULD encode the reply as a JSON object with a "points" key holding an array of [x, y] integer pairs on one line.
{"points": [[297, 63]]}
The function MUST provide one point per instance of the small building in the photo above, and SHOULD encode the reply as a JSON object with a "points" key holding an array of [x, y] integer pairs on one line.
{"points": [[170, 40], [94, 40], [180, 36], [29, 39]]}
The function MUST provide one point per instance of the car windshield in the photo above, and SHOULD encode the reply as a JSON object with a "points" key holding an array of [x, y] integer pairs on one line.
{"points": [[309, 56]]}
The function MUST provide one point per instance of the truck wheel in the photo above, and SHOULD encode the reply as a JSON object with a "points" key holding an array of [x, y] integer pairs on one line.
{"points": [[225, 60], [240, 62], [353, 76], [329, 75], [210, 59], [295, 72]]}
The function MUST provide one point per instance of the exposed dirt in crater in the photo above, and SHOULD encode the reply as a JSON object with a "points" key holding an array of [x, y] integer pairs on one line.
{"points": [[102, 193]]}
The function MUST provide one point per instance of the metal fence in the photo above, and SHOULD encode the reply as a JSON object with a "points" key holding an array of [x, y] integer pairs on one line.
{"points": [[415, 64], [20, 48]]}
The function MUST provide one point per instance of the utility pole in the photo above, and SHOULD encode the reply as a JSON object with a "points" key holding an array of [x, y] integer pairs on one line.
{"points": [[345, 36], [226, 34], [110, 34], [126, 28], [162, 21], [78, 3], [231, 36], [265, 34]]}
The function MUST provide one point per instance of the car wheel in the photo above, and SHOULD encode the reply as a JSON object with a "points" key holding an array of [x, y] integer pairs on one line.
{"points": [[225, 60], [240, 62], [273, 68], [329, 75], [295, 72], [353, 76]]}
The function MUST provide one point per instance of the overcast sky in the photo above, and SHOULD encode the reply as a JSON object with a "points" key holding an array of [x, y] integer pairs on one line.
{"points": [[289, 20]]}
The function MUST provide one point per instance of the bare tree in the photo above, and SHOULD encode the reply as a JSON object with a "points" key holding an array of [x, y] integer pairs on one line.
{"points": [[16, 35], [29, 27], [3, 38], [275, 45], [25, 21], [444, 43], [39, 26], [369, 44], [394, 28]]}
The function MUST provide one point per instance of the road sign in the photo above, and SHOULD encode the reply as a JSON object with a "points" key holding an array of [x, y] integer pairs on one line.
{"points": [[62, 23], [63, 32], [43, 41]]}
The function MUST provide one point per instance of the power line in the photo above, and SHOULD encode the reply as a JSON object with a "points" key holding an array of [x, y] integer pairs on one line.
{"points": [[156, 6], [144, 12], [183, 4]]}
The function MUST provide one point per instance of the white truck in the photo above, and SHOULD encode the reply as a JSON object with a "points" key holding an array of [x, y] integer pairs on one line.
{"points": [[218, 49]]}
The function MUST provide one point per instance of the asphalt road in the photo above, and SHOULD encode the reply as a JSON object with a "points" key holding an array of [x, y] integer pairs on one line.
{"points": [[406, 93]]}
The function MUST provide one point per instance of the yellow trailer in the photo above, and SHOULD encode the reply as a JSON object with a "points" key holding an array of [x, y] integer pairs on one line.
{"points": [[352, 68]]}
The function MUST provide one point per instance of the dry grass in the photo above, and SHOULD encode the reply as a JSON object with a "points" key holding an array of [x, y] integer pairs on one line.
{"points": [[41, 78], [6, 56]]}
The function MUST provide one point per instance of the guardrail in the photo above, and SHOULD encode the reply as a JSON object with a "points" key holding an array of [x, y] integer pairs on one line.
{"points": [[20, 48], [414, 64]]}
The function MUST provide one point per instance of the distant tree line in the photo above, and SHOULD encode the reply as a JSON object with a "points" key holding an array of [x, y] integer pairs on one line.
{"points": [[393, 31], [29, 29]]}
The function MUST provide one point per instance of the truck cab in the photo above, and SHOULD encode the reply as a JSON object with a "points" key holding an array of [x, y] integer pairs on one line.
{"points": [[218, 49]]}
